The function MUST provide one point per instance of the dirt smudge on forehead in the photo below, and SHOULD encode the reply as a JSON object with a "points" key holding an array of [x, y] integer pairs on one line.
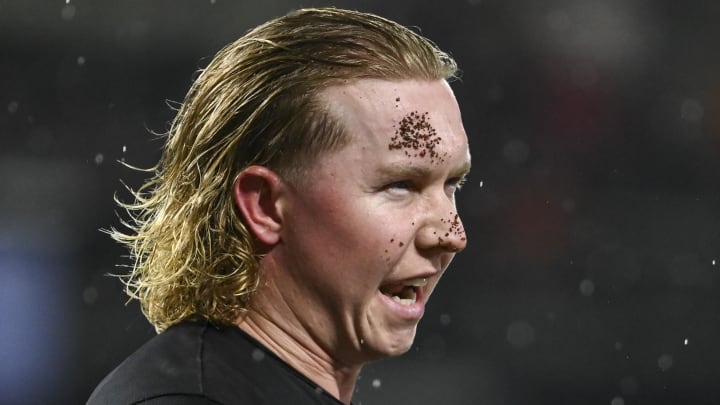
{"points": [[416, 137]]}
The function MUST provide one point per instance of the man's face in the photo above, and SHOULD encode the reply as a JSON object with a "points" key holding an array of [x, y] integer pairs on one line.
{"points": [[373, 226]]}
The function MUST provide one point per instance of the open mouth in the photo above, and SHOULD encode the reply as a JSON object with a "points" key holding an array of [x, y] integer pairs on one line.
{"points": [[404, 293]]}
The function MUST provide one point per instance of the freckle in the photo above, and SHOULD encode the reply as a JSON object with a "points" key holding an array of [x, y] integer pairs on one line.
{"points": [[392, 240], [447, 234], [402, 244], [397, 100]]}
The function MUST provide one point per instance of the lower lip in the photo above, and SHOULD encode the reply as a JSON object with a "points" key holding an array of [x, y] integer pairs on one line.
{"points": [[412, 312]]}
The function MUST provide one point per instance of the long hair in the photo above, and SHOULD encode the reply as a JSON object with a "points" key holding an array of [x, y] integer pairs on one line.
{"points": [[254, 104]]}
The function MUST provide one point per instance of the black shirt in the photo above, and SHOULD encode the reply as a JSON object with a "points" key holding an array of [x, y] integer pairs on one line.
{"points": [[197, 363]]}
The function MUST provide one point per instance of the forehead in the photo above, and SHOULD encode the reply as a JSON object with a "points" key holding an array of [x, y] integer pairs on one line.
{"points": [[394, 114]]}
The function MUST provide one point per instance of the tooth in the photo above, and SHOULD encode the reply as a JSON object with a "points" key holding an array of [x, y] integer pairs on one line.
{"points": [[418, 282], [406, 301]]}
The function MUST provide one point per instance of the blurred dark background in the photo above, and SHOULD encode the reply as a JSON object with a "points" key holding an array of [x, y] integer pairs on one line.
{"points": [[593, 209]]}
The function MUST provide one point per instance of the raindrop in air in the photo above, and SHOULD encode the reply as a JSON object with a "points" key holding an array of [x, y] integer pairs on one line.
{"points": [[587, 287], [516, 151], [445, 319], [14, 105], [80, 60], [90, 295], [258, 355], [376, 383], [124, 148], [665, 362], [692, 111], [481, 184], [99, 159], [68, 12], [629, 385], [520, 334], [617, 401], [685, 342]]}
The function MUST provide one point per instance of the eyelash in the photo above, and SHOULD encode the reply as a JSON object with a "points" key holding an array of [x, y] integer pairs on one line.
{"points": [[456, 183]]}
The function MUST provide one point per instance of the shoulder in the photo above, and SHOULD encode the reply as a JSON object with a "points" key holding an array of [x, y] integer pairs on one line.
{"points": [[168, 364], [196, 363]]}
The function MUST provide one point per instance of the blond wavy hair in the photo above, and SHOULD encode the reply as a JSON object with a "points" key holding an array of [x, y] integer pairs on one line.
{"points": [[254, 104]]}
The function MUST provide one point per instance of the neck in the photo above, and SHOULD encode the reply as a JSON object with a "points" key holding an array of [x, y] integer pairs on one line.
{"points": [[294, 345]]}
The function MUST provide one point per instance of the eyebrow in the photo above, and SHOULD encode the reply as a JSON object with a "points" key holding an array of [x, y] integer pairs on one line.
{"points": [[403, 169]]}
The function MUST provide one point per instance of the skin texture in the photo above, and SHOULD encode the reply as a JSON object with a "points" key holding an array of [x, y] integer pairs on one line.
{"points": [[366, 220]]}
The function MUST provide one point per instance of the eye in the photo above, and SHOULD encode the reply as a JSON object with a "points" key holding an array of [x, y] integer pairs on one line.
{"points": [[455, 184], [399, 187]]}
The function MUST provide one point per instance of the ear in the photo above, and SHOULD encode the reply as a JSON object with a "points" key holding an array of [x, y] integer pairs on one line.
{"points": [[256, 192]]}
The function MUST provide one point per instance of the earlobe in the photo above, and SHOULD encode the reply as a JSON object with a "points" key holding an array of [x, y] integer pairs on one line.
{"points": [[256, 192]]}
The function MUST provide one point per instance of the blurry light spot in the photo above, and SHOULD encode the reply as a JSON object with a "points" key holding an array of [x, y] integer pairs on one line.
{"points": [[445, 319], [376, 383], [31, 294], [713, 262], [124, 149], [212, 1], [665, 362], [685, 342], [587, 287], [481, 186], [692, 111], [67, 1], [617, 401], [81, 60], [13, 107], [90, 295], [258, 355], [68, 12], [629, 386], [516, 151], [520, 334], [99, 159], [558, 20], [618, 345]]}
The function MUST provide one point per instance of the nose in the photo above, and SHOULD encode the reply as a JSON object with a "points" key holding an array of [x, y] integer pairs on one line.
{"points": [[442, 229]]}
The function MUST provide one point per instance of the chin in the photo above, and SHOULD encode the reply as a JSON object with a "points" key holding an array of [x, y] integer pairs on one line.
{"points": [[397, 344]]}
